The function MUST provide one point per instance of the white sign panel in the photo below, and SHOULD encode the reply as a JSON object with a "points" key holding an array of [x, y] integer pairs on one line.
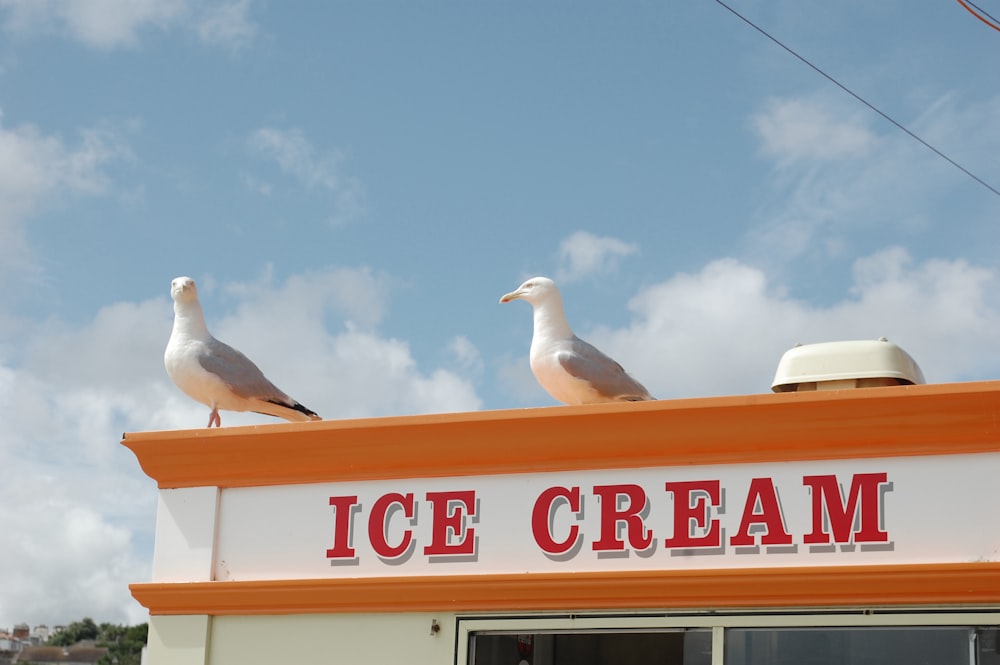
{"points": [[842, 512]]}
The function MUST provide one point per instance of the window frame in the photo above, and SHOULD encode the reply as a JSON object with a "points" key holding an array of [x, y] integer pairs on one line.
{"points": [[717, 622]]}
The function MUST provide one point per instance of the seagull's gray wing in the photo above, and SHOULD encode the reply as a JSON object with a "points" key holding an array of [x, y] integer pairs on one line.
{"points": [[239, 372], [585, 361]]}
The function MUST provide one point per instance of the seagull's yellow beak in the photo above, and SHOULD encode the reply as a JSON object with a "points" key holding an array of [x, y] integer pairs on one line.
{"points": [[513, 295]]}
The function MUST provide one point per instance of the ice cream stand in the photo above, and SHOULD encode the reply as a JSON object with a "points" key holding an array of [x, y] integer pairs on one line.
{"points": [[826, 522]]}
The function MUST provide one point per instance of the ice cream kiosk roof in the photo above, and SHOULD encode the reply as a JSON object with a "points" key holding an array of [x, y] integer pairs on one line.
{"points": [[681, 528]]}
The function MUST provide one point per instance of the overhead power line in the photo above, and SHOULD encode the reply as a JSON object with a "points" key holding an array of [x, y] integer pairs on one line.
{"points": [[980, 13], [861, 99]]}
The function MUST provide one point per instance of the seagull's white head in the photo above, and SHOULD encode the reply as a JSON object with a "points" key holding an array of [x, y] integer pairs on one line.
{"points": [[182, 289], [536, 290]]}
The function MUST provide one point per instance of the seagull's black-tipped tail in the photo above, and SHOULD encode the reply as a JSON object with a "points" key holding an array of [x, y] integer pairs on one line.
{"points": [[308, 413], [293, 411]]}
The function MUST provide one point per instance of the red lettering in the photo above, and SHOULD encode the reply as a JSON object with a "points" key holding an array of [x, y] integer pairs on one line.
{"points": [[864, 497], [541, 519], [343, 513], [629, 515], [378, 526], [450, 512], [763, 494], [692, 501]]}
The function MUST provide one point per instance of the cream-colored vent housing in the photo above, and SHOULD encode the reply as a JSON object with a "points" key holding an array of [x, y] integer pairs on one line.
{"points": [[850, 364]]}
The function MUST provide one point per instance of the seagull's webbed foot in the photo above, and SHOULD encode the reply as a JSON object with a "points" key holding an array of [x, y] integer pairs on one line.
{"points": [[215, 418]]}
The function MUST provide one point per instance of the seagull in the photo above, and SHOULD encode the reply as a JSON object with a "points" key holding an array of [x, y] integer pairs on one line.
{"points": [[215, 373], [570, 369]]}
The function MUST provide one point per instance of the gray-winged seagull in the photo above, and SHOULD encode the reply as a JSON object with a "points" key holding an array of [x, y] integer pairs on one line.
{"points": [[215, 373], [570, 369]]}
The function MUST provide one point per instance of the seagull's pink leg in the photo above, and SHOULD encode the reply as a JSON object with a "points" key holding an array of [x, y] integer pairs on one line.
{"points": [[214, 417]]}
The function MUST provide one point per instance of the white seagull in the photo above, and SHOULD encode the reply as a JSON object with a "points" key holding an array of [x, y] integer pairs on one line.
{"points": [[570, 369], [215, 373]]}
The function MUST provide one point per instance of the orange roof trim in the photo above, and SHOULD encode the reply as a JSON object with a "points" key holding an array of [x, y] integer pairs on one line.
{"points": [[935, 419], [925, 584]]}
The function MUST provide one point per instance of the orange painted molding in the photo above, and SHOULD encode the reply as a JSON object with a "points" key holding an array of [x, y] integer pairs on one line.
{"points": [[831, 586], [935, 419]]}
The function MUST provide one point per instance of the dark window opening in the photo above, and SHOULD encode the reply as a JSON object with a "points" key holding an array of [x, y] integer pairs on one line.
{"points": [[930, 645], [912, 645], [676, 647]]}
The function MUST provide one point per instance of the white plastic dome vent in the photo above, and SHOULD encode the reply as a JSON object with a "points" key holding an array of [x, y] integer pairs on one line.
{"points": [[850, 364]]}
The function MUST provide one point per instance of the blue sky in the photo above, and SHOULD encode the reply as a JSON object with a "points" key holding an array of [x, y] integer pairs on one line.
{"points": [[355, 184]]}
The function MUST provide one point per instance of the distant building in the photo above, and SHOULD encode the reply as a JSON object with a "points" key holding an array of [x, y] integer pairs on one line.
{"points": [[40, 634], [9, 648], [22, 631]]}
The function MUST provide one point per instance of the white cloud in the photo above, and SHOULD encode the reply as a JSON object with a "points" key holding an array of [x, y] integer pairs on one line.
{"points": [[228, 25], [297, 158], [112, 24], [327, 354], [811, 129], [77, 512], [101, 24], [359, 295], [36, 169], [32, 165], [949, 310], [824, 203], [723, 330], [64, 560], [466, 354], [369, 375], [584, 254]]}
